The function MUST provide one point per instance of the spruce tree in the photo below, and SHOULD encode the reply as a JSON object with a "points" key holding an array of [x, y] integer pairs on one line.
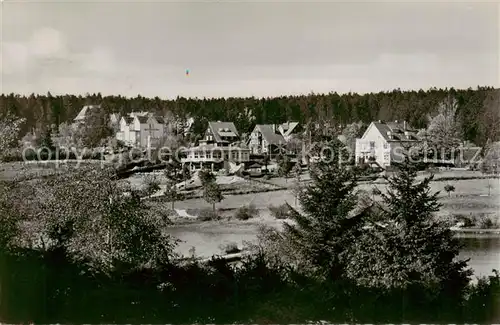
{"points": [[410, 246], [323, 231]]}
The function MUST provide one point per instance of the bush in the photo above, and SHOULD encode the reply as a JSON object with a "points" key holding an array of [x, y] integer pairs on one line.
{"points": [[281, 211], [230, 248], [207, 215], [468, 220], [267, 177], [246, 212], [487, 223], [151, 183]]}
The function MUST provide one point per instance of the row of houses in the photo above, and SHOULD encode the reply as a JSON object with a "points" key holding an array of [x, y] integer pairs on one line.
{"points": [[382, 143]]}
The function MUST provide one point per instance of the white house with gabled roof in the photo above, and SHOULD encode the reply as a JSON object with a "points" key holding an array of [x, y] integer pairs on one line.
{"points": [[142, 130], [385, 143]]}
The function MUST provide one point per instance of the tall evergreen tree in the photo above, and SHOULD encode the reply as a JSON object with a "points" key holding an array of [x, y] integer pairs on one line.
{"points": [[411, 246], [323, 231]]}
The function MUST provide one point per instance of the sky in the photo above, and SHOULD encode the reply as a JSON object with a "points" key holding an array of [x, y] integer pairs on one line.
{"points": [[237, 48]]}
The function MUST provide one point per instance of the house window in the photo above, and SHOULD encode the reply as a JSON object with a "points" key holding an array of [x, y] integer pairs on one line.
{"points": [[372, 144], [196, 154], [386, 157], [386, 145], [209, 155]]}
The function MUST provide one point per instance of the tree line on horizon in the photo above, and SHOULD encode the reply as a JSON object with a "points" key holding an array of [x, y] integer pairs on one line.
{"points": [[478, 109]]}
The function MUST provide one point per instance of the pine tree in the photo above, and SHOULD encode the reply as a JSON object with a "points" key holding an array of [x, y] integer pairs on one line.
{"points": [[411, 246], [46, 139], [324, 230]]}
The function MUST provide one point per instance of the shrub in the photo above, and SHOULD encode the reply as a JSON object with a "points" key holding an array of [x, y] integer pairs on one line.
{"points": [[486, 223], [207, 215], [151, 183], [230, 248], [468, 220], [267, 177], [449, 188], [246, 212], [281, 211]]}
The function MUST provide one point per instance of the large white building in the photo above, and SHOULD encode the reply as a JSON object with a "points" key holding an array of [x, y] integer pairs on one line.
{"points": [[141, 130], [385, 143]]}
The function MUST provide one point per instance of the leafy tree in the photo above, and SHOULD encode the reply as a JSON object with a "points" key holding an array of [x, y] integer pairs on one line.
{"points": [[297, 171], [284, 167], [409, 247], [351, 132], [152, 184], [172, 193], [10, 127], [66, 135], [206, 177], [106, 230], [265, 161], [445, 129], [212, 194], [449, 188], [186, 174], [173, 171], [294, 144], [321, 235], [95, 128]]}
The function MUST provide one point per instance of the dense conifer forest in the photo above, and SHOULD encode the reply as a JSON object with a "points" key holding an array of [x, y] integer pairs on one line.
{"points": [[478, 109]]}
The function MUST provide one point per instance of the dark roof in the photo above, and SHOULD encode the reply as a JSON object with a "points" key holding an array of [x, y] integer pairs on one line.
{"points": [[397, 130], [159, 119], [288, 127], [270, 135], [223, 129], [142, 119]]}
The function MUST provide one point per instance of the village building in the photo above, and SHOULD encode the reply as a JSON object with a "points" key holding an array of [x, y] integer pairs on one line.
{"points": [[265, 139], [214, 157], [271, 138], [142, 130], [289, 129], [217, 150], [385, 143], [220, 134]]}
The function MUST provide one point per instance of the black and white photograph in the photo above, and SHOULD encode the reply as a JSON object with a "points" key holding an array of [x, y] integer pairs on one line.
{"points": [[249, 162]]}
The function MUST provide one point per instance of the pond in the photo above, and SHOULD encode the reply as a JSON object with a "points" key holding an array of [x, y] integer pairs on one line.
{"points": [[483, 251]]}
